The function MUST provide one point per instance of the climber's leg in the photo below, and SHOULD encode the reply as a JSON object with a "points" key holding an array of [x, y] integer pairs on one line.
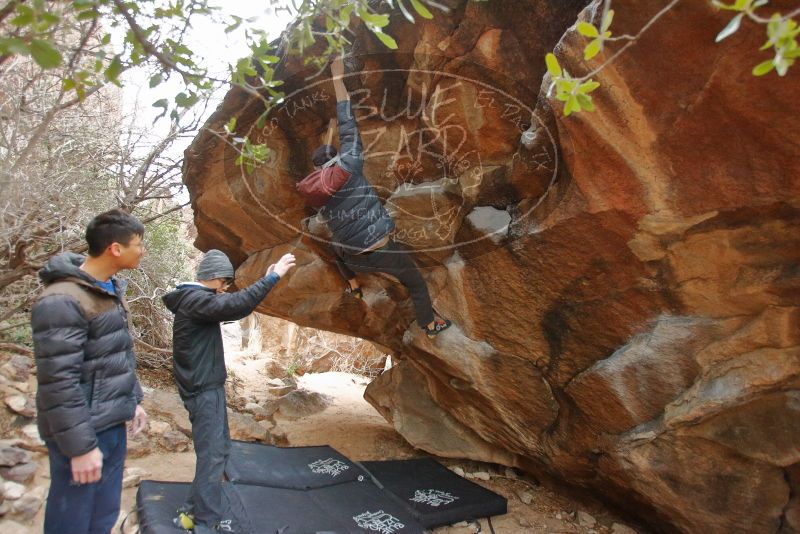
{"points": [[347, 273], [393, 259]]}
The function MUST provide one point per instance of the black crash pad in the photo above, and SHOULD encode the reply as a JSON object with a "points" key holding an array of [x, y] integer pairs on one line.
{"points": [[349, 508], [157, 504], [435, 495], [290, 467]]}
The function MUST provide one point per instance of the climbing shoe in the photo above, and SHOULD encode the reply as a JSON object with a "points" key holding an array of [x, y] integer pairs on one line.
{"points": [[439, 325], [357, 293], [184, 521]]}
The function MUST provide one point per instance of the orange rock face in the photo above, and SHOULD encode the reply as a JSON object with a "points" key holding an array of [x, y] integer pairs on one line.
{"points": [[624, 287]]}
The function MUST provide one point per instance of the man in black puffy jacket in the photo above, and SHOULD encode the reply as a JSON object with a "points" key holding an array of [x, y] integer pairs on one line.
{"points": [[199, 369], [87, 385], [361, 227]]}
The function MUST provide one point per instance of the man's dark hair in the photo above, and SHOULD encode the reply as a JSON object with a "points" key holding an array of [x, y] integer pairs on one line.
{"points": [[323, 154], [113, 226]]}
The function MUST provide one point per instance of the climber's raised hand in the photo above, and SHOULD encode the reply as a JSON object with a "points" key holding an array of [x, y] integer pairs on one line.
{"points": [[337, 68]]}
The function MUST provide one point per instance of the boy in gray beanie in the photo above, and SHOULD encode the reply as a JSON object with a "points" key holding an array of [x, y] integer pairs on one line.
{"points": [[199, 370], [215, 264]]}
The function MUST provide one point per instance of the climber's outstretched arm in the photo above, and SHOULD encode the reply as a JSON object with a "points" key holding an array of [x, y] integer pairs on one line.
{"points": [[337, 73], [350, 147]]}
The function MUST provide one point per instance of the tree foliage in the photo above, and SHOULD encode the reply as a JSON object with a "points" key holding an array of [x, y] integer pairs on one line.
{"points": [[63, 160], [782, 32], [155, 38]]}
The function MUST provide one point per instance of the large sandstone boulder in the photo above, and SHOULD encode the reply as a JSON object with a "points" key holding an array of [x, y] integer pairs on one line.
{"points": [[624, 287]]}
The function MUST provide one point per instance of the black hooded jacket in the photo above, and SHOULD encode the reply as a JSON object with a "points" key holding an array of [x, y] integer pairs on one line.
{"points": [[84, 357], [198, 361], [354, 213]]}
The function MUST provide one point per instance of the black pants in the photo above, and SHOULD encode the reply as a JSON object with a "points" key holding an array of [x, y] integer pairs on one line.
{"points": [[391, 259], [212, 444]]}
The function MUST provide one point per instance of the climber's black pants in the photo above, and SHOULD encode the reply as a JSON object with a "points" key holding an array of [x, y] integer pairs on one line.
{"points": [[391, 259]]}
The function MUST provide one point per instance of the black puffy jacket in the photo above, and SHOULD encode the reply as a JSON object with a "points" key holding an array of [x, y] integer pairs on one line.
{"points": [[354, 214], [198, 361], [84, 357]]}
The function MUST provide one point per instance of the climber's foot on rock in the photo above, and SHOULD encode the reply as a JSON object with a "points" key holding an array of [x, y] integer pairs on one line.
{"points": [[436, 326], [354, 289]]}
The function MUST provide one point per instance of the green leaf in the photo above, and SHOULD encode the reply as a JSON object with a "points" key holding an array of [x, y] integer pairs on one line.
{"points": [[731, 28], [237, 21], [44, 54], [592, 49], [587, 87], [792, 54], [262, 120], [344, 14], [80, 5], [14, 45], [763, 68], [230, 127], [571, 105], [587, 30], [421, 9], [738, 5], [25, 16], [374, 19], [47, 20], [386, 39], [552, 65], [113, 71], [68, 84], [162, 103], [155, 80], [585, 102], [607, 21], [89, 14], [565, 86], [186, 100]]}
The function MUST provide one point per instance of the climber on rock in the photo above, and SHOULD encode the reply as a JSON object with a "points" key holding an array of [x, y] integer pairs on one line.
{"points": [[361, 227]]}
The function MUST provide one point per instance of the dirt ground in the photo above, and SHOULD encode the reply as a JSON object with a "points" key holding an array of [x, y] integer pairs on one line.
{"points": [[351, 426]]}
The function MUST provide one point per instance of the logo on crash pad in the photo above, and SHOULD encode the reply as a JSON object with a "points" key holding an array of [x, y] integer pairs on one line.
{"points": [[378, 521], [328, 466], [433, 497]]}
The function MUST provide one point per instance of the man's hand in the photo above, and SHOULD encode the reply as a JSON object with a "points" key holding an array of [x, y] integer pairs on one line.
{"points": [[139, 422], [88, 467], [337, 68], [282, 267]]}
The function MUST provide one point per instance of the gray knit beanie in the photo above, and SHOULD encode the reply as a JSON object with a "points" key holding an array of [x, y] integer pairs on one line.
{"points": [[215, 264]]}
